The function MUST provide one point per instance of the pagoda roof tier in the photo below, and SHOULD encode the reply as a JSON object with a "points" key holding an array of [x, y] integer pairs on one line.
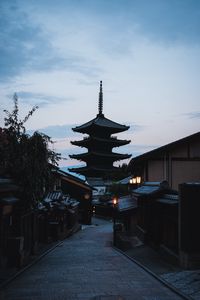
{"points": [[100, 123], [114, 142], [111, 156], [92, 171]]}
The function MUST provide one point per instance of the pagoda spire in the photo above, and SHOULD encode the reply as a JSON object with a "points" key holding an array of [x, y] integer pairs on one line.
{"points": [[100, 100]]}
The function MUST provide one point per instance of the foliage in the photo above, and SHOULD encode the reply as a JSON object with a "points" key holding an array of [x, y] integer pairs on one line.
{"points": [[105, 198], [13, 124], [27, 159], [118, 174], [118, 190]]}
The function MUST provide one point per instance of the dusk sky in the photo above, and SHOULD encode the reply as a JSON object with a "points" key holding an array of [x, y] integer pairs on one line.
{"points": [[147, 53]]}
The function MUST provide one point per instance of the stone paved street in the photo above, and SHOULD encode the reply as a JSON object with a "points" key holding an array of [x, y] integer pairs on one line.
{"points": [[86, 267]]}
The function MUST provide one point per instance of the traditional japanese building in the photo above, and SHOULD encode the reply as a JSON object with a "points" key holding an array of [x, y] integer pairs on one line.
{"points": [[99, 141], [176, 162]]}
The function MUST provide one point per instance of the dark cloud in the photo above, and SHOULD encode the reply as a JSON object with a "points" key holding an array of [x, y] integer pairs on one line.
{"points": [[169, 21], [23, 45], [26, 47], [165, 21]]}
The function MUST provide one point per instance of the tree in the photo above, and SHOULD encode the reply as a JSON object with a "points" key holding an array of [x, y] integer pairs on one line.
{"points": [[13, 124], [118, 190], [118, 174], [27, 159]]}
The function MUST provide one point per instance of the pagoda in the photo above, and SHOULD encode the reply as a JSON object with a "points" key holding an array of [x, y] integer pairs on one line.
{"points": [[99, 141]]}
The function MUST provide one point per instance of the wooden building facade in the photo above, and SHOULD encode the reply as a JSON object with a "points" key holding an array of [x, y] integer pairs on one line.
{"points": [[176, 162], [169, 221]]}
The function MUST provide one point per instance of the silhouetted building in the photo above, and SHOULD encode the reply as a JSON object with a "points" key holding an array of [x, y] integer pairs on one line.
{"points": [[176, 162], [99, 158], [78, 189]]}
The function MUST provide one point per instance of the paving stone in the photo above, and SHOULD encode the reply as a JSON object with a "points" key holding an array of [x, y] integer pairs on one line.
{"points": [[86, 267]]}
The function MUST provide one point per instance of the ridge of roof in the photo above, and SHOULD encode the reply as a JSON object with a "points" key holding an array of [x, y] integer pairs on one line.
{"points": [[93, 168], [64, 173], [101, 121], [112, 154], [167, 146], [111, 140]]}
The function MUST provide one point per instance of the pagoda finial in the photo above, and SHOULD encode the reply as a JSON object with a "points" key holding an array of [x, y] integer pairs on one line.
{"points": [[101, 99]]}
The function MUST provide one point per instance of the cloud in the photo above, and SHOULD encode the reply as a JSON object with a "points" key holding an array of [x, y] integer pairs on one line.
{"points": [[169, 21], [117, 22], [41, 99], [26, 46], [57, 131], [21, 43], [193, 115], [65, 131], [134, 127], [76, 35], [135, 149], [68, 161], [164, 21]]}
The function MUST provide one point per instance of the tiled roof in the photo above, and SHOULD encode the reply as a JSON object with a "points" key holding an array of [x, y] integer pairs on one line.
{"points": [[111, 155], [111, 141], [162, 149], [150, 188], [126, 203], [101, 121]]}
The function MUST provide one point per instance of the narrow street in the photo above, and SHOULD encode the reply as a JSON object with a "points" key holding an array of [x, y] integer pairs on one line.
{"points": [[86, 267]]}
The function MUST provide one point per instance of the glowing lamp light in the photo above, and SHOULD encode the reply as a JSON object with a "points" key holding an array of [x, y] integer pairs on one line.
{"points": [[115, 201], [135, 180], [87, 196]]}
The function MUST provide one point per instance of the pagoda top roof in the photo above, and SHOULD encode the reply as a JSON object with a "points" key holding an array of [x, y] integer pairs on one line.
{"points": [[101, 122]]}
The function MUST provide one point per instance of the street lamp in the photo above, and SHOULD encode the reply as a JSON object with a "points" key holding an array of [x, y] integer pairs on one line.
{"points": [[115, 201], [135, 180], [138, 179]]}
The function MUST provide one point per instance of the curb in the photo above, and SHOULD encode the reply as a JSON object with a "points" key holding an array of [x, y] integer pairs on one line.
{"points": [[18, 273], [7, 281], [171, 287]]}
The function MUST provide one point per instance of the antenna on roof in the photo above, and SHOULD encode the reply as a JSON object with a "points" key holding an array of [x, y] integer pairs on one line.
{"points": [[101, 99]]}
